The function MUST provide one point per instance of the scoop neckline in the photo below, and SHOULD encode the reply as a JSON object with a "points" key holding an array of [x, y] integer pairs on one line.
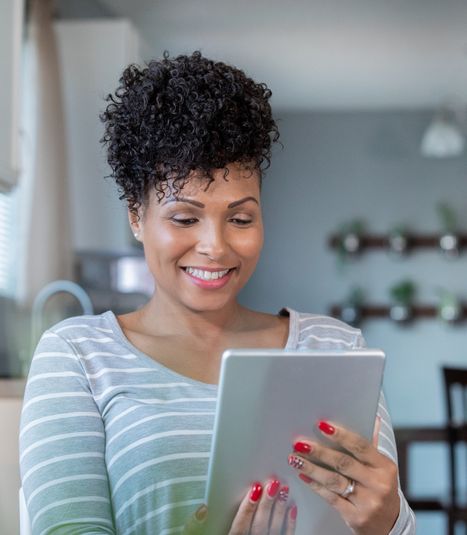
{"points": [[112, 318]]}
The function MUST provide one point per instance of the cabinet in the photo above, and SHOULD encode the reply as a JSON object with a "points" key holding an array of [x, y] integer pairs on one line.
{"points": [[93, 54]]}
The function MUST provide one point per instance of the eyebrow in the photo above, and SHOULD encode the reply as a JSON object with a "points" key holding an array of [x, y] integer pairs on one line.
{"points": [[201, 205]]}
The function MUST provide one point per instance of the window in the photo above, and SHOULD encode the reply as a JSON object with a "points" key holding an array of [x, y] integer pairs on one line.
{"points": [[8, 251]]}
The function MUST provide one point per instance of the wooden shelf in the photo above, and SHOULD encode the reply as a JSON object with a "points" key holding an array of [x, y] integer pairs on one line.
{"points": [[383, 311], [414, 241]]}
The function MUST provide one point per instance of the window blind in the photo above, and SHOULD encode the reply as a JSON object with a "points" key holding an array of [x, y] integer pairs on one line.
{"points": [[7, 249]]}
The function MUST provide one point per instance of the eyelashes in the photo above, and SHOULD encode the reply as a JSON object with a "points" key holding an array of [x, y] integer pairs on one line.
{"points": [[192, 221]]}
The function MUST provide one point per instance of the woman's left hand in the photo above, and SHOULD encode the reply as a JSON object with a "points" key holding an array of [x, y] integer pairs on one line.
{"points": [[360, 483]]}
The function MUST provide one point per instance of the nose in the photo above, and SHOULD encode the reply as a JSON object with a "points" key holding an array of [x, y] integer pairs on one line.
{"points": [[213, 241]]}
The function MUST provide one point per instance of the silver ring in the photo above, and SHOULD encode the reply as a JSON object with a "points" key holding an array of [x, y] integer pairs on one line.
{"points": [[348, 489]]}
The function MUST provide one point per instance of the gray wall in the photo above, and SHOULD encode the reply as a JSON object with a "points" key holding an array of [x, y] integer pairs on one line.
{"points": [[338, 166]]}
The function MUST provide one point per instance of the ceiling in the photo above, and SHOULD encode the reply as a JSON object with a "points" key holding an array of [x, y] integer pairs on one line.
{"points": [[321, 54]]}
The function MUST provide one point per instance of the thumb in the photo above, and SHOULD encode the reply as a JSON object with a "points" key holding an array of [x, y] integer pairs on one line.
{"points": [[196, 522]]}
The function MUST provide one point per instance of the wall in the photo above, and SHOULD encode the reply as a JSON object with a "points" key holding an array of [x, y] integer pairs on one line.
{"points": [[338, 166]]}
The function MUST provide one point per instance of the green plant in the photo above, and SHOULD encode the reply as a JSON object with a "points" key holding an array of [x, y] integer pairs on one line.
{"points": [[403, 293], [355, 297], [448, 217]]}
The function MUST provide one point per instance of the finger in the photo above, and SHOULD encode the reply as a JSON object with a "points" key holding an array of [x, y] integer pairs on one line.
{"points": [[376, 430], [291, 520], [262, 516], [337, 460], [242, 521], [280, 511], [329, 479], [361, 448], [195, 525]]}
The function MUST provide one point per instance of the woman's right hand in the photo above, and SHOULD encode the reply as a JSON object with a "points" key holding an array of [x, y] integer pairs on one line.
{"points": [[260, 513]]}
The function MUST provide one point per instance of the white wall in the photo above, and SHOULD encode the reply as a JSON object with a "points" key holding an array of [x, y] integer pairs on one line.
{"points": [[93, 54]]}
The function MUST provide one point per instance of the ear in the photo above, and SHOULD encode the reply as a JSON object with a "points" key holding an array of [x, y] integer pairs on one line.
{"points": [[136, 225]]}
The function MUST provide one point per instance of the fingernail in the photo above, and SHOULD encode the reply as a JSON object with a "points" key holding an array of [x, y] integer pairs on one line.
{"points": [[201, 513], [302, 447], [283, 494], [273, 488], [326, 428], [256, 492], [296, 462], [293, 512], [305, 478]]}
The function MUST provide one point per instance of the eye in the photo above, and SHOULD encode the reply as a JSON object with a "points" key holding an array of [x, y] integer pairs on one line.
{"points": [[241, 221], [183, 222]]}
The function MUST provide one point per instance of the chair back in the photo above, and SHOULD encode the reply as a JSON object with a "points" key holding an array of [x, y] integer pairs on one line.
{"points": [[24, 523], [455, 390]]}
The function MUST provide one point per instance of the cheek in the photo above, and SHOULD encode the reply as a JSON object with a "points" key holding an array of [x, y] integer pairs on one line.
{"points": [[250, 244], [165, 244]]}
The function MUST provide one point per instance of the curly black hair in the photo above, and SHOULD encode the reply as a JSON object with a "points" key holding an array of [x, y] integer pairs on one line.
{"points": [[182, 114]]}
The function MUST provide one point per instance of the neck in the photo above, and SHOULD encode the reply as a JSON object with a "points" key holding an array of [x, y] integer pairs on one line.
{"points": [[162, 316]]}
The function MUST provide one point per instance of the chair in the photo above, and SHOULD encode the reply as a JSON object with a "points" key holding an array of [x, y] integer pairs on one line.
{"points": [[455, 390], [24, 523]]}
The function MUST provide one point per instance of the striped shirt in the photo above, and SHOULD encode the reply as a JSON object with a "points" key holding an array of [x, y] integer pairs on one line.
{"points": [[112, 441]]}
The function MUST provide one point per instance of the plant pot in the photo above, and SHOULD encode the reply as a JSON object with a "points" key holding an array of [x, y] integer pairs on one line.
{"points": [[351, 243], [449, 245], [450, 313], [401, 313], [351, 314], [398, 243]]}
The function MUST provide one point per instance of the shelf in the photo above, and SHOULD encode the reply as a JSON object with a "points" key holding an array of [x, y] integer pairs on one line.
{"points": [[383, 311], [414, 241]]}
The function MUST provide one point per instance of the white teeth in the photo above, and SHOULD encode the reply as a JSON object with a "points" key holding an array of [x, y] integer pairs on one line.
{"points": [[206, 275]]}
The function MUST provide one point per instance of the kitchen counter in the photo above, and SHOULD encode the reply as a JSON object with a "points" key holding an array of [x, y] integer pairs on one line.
{"points": [[12, 388]]}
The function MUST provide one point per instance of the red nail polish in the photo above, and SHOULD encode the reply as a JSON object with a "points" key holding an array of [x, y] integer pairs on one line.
{"points": [[302, 447], [284, 494], [326, 428], [256, 492], [273, 488], [293, 512], [305, 478]]}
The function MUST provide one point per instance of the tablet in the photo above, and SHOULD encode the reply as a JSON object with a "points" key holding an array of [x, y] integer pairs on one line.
{"points": [[267, 397]]}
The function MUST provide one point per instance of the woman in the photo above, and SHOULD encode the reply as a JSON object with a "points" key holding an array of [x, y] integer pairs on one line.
{"points": [[118, 412]]}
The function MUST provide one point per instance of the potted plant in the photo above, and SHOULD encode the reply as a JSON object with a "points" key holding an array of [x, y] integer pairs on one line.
{"points": [[398, 240], [350, 238], [351, 310], [449, 240], [449, 307], [402, 296]]}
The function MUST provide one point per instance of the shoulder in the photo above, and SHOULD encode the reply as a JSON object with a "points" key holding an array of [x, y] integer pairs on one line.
{"points": [[70, 328], [76, 343], [76, 334], [315, 331]]}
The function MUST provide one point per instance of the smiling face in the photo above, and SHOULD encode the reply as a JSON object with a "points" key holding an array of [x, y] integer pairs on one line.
{"points": [[202, 246]]}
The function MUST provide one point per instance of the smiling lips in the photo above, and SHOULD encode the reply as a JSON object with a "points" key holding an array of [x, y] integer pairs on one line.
{"points": [[209, 278]]}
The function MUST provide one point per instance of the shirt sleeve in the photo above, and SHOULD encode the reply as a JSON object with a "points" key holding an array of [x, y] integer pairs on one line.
{"points": [[405, 523], [62, 446]]}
